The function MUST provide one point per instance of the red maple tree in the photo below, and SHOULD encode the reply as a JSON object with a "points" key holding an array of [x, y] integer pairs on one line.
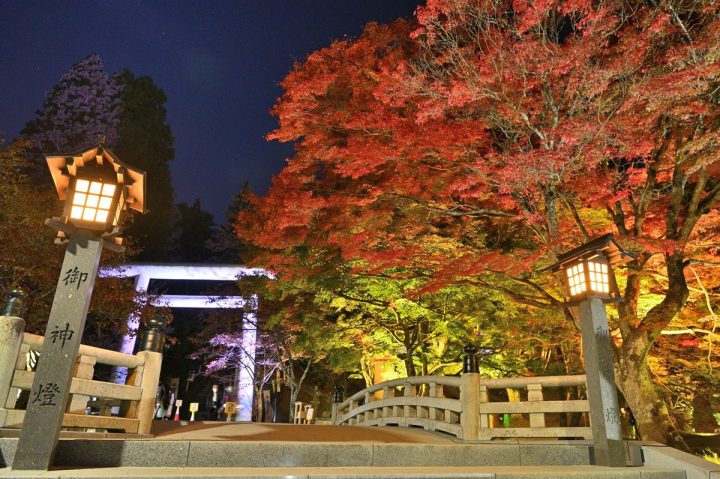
{"points": [[475, 145]]}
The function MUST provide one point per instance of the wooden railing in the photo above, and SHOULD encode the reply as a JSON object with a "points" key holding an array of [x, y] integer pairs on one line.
{"points": [[467, 406], [136, 397]]}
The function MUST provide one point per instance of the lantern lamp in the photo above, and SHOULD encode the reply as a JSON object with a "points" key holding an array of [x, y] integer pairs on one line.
{"points": [[587, 271], [588, 281], [96, 187]]}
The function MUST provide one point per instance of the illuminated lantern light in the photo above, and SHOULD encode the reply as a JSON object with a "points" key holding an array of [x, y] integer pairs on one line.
{"points": [[587, 271], [96, 188], [92, 201]]}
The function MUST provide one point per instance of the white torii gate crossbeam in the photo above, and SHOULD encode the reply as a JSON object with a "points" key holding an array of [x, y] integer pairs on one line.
{"points": [[144, 273]]}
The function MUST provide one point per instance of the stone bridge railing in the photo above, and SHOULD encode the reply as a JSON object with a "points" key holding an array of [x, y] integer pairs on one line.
{"points": [[136, 397], [398, 403], [468, 406]]}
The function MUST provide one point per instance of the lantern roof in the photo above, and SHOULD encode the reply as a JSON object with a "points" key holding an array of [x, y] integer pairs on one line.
{"points": [[605, 244], [64, 166]]}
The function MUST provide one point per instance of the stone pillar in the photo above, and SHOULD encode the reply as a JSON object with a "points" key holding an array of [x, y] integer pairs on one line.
{"points": [[602, 393], [470, 396], [51, 385], [12, 327]]}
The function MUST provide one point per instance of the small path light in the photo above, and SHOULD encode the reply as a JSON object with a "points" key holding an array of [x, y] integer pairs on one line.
{"points": [[588, 281], [96, 188]]}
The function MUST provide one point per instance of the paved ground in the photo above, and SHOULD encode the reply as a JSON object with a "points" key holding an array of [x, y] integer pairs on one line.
{"points": [[238, 431], [496, 472], [295, 435]]}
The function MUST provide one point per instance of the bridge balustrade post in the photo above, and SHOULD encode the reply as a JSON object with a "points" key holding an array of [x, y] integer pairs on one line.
{"points": [[369, 414], [354, 404], [484, 398], [151, 352], [409, 390], [436, 391], [535, 394], [470, 396], [12, 327], [149, 383], [84, 369], [387, 393]]}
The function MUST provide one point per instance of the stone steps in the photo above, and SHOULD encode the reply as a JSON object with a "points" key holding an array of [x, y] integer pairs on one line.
{"points": [[257, 454], [186, 459]]}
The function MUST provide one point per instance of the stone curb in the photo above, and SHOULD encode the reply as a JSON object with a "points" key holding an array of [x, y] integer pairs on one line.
{"points": [[139, 453], [499, 472]]}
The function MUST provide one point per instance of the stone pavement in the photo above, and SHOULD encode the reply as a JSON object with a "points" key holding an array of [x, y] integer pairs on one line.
{"points": [[261, 450], [239, 431], [503, 472]]}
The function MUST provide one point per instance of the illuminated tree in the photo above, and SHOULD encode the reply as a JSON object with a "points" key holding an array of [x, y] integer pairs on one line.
{"points": [[472, 149], [578, 100]]}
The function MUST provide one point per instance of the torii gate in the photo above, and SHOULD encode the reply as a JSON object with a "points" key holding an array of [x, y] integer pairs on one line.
{"points": [[143, 273]]}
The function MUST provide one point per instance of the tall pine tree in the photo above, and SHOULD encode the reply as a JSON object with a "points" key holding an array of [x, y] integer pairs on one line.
{"points": [[84, 105], [192, 234]]}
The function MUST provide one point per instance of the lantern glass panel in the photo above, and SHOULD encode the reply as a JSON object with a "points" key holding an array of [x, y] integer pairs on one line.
{"points": [[79, 199], [105, 203], [101, 216], [576, 279], [89, 214], [599, 277], [95, 187], [108, 189], [76, 212], [92, 201], [82, 185]]}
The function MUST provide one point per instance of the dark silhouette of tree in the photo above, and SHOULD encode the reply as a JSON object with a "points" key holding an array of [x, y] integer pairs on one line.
{"points": [[193, 231], [146, 142]]}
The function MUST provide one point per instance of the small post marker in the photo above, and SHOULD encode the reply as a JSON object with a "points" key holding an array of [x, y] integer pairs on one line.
{"points": [[230, 408], [193, 409], [178, 403]]}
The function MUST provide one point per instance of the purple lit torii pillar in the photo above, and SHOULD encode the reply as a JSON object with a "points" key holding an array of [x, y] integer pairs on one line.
{"points": [[144, 273]]}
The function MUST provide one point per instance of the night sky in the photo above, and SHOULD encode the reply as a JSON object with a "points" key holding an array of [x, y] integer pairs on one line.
{"points": [[219, 63]]}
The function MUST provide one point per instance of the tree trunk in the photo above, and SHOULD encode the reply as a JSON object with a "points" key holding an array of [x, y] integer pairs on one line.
{"points": [[702, 418], [649, 408], [410, 365], [294, 392]]}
